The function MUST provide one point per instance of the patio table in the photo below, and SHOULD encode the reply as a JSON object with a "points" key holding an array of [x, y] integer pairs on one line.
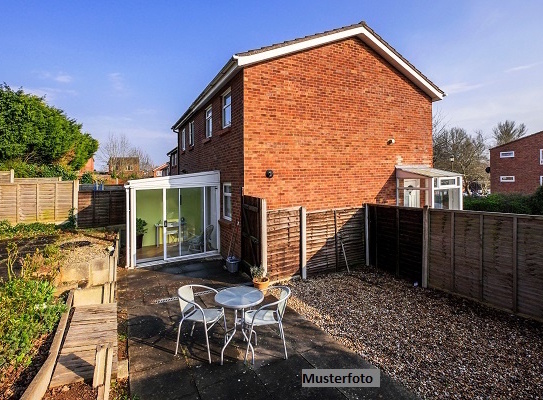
{"points": [[238, 298]]}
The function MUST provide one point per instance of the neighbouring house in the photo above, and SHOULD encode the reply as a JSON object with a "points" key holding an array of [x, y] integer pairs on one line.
{"points": [[336, 119], [88, 167], [517, 166], [124, 166], [173, 156], [162, 170]]}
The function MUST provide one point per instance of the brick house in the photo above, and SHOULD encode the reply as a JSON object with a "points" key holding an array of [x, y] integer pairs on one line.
{"points": [[517, 166], [124, 166], [320, 121], [173, 164], [161, 170]]}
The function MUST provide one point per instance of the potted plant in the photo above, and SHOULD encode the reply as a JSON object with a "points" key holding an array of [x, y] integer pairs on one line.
{"points": [[140, 231], [260, 281]]}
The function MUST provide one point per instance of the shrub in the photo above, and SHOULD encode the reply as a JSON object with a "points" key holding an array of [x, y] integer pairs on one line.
{"points": [[87, 178], [26, 230], [28, 311], [507, 203]]}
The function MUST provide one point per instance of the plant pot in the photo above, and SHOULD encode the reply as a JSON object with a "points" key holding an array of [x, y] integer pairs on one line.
{"points": [[139, 241], [261, 283]]}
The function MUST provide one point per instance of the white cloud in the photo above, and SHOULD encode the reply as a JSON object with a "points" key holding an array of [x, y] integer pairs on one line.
{"points": [[117, 82], [63, 78], [523, 67], [60, 76], [51, 94], [460, 87]]}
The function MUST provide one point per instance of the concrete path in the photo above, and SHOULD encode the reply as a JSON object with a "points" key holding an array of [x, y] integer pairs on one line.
{"points": [[155, 373]]}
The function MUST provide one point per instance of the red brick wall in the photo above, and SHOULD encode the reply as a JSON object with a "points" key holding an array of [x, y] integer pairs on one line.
{"points": [[525, 166], [223, 151], [321, 119]]}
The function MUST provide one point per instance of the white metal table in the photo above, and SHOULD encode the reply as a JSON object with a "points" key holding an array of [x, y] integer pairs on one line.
{"points": [[238, 298]]}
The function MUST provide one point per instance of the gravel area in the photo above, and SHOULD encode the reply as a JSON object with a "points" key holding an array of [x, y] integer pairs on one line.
{"points": [[438, 345]]}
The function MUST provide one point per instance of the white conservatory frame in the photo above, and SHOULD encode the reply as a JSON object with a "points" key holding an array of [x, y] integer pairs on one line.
{"points": [[435, 180], [196, 180]]}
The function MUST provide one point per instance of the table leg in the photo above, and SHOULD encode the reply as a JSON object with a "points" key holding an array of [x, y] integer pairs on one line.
{"points": [[228, 336], [247, 338]]}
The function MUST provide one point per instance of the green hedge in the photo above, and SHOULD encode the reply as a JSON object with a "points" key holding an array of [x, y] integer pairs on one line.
{"points": [[507, 203]]}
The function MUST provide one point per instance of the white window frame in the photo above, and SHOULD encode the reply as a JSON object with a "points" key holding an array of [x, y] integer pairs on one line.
{"points": [[507, 179], [227, 94], [540, 156], [183, 142], [226, 196], [191, 133], [507, 154], [541, 180], [209, 121], [174, 159]]}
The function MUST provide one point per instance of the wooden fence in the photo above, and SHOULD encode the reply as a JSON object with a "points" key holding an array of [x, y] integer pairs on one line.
{"points": [[101, 208], [490, 257], [301, 242], [26, 201]]}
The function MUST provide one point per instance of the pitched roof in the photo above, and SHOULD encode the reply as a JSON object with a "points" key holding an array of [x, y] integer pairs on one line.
{"points": [[517, 140], [360, 30]]}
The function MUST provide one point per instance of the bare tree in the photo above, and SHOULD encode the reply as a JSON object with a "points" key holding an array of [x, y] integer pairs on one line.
{"points": [[455, 150], [507, 131], [118, 151]]}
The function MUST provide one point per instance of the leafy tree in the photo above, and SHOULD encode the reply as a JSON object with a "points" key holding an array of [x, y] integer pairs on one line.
{"points": [[35, 133], [468, 154], [507, 131]]}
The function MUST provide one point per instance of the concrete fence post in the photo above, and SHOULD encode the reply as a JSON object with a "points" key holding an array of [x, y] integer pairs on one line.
{"points": [[425, 244], [303, 242]]}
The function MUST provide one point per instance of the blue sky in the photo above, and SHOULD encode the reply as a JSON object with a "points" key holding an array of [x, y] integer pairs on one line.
{"points": [[133, 67]]}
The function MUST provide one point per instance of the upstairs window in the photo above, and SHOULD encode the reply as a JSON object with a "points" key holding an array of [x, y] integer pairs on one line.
{"points": [[227, 109], [540, 156], [507, 154], [183, 139], [174, 159], [191, 133], [507, 179], [209, 121]]}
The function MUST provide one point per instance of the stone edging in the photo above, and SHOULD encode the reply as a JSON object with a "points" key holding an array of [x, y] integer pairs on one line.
{"points": [[39, 385]]}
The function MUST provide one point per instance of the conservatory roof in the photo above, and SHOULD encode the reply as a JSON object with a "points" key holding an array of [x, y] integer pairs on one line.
{"points": [[417, 171]]}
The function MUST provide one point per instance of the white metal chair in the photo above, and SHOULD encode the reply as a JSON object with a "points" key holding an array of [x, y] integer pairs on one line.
{"points": [[268, 314], [192, 311], [196, 243]]}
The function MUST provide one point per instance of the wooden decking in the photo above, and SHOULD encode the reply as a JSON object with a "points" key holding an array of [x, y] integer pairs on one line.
{"points": [[90, 326]]}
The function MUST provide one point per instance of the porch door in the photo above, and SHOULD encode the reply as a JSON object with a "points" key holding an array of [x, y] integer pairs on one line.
{"points": [[411, 197]]}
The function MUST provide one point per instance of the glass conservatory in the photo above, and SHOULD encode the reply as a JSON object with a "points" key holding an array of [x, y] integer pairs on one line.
{"points": [[417, 186], [172, 218]]}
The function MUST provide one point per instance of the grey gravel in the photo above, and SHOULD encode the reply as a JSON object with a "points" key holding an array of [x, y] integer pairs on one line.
{"points": [[437, 344]]}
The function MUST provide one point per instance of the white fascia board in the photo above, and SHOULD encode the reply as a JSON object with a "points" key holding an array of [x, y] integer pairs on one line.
{"points": [[209, 178], [364, 35]]}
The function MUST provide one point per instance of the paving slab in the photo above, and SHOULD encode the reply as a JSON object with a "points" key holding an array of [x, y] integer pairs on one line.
{"points": [[155, 373]]}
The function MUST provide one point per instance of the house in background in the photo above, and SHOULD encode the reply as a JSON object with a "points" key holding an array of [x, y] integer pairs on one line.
{"points": [[88, 167], [173, 156], [517, 166], [124, 166], [162, 170]]}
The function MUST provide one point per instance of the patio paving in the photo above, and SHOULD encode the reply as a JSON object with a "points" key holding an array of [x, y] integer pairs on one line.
{"points": [[155, 373]]}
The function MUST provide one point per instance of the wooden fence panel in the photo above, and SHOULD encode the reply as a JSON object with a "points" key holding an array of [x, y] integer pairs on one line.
{"points": [[386, 238], [410, 231], [283, 230], [101, 208], [321, 249], [350, 228], [497, 261], [27, 200], [439, 258], [466, 255], [251, 232], [8, 203], [530, 266]]}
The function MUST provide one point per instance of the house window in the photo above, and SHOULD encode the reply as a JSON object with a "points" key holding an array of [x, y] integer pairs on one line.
{"points": [[159, 173], [183, 139], [174, 159], [129, 168], [227, 109], [507, 154], [227, 201], [507, 179], [541, 181], [209, 121], [191, 133], [540, 156]]}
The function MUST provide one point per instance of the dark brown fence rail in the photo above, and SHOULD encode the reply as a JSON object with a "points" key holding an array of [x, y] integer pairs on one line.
{"points": [[101, 208]]}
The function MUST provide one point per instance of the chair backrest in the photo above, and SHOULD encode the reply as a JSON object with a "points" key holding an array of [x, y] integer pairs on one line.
{"points": [[185, 295], [209, 230], [283, 297]]}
